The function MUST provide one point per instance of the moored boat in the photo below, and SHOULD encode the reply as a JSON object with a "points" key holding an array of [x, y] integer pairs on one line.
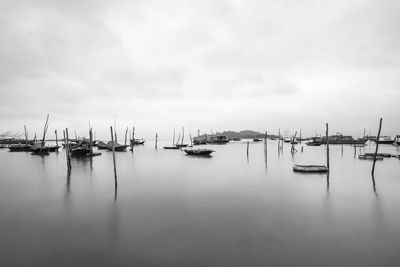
{"points": [[199, 152], [117, 146], [370, 157], [101, 145], [310, 168]]}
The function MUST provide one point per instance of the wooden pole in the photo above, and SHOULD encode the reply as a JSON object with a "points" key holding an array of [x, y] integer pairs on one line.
{"points": [[67, 147], [327, 147], [56, 139], [279, 140], [26, 136], [266, 145], [76, 137], [45, 129], [156, 140], [113, 151], [248, 148], [376, 148], [173, 138], [126, 135], [183, 134], [91, 142], [66, 150]]}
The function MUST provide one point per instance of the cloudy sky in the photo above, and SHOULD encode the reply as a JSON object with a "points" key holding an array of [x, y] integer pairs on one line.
{"points": [[209, 65]]}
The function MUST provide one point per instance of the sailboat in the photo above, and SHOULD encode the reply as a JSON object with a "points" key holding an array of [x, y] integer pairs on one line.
{"points": [[173, 142]]}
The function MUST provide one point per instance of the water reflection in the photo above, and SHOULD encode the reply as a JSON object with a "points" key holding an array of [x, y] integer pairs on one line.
{"points": [[327, 182]]}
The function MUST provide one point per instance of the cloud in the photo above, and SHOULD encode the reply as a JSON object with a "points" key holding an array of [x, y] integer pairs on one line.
{"points": [[199, 62]]}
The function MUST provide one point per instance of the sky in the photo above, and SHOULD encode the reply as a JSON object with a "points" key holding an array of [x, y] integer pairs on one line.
{"points": [[212, 65]]}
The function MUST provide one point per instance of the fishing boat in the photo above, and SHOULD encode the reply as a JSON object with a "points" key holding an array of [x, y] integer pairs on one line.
{"points": [[19, 148], [135, 142], [256, 140], [117, 146], [384, 140], [384, 155], [40, 149], [310, 168], [313, 143], [370, 157], [181, 145], [82, 149], [199, 152], [101, 145], [173, 143], [171, 147]]}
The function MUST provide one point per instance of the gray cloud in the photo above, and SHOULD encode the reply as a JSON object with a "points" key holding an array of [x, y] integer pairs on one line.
{"points": [[199, 62]]}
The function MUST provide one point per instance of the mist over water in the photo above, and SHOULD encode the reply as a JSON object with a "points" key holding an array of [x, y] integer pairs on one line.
{"points": [[171, 209]]}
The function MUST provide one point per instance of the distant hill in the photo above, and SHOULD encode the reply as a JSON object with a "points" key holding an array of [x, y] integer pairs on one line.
{"points": [[245, 134]]}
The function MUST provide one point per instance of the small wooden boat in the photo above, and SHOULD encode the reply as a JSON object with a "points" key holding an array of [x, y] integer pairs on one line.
{"points": [[171, 147], [82, 150], [54, 148], [370, 157], [310, 168], [20, 148], [313, 143], [294, 142], [256, 140], [117, 146], [39, 149], [135, 142], [181, 145], [199, 152], [384, 155], [101, 145]]}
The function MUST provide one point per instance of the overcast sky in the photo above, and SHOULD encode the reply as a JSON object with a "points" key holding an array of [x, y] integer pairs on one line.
{"points": [[209, 65]]}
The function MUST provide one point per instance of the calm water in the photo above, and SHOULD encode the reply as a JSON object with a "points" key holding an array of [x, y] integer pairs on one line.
{"points": [[176, 210]]}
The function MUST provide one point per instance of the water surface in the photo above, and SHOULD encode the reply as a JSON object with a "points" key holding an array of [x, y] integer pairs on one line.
{"points": [[171, 209]]}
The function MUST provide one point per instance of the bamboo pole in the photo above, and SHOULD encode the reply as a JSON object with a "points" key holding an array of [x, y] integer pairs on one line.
{"points": [[45, 129], [67, 148], [248, 149], [327, 146], [266, 145], [173, 138], [183, 134], [56, 139], [279, 140], [91, 142], [113, 151], [76, 137], [126, 134], [376, 148], [156, 140]]}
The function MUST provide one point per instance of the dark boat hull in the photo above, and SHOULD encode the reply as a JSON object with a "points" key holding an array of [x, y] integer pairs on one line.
{"points": [[171, 147], [198, 152]]}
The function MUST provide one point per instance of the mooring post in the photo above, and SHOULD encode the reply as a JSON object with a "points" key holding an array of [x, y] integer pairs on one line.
{"points": [[91, 142], [327, 147], [377, 145], [113, 151], [56, 139], [248, 148], [67, 147], [126, 135], [266, 145], [66, 150], [279, 140], [156, 140]]}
